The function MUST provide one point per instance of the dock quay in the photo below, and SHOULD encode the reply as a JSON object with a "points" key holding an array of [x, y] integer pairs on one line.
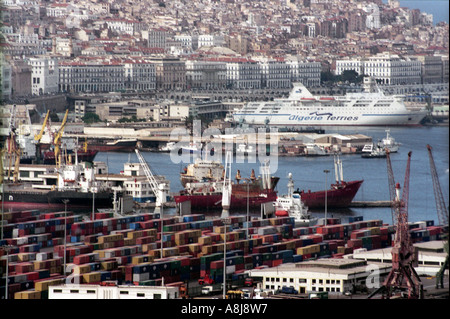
{"points": [[145, 250], [378, 203]]}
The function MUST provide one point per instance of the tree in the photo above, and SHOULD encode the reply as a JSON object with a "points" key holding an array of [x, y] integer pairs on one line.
{"points": [[90, 118]]}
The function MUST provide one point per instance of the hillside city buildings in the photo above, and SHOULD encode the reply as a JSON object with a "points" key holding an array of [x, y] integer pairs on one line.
{"points": [[97, 46]]}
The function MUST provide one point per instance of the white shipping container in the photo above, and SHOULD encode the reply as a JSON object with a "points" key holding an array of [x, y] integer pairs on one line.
{"points": [[231, 269], [141, 277]]}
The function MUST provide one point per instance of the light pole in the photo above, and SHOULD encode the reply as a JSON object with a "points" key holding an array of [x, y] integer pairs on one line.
{"points": [[248, 204], [7, 248], [65, 201], [326, 171], [226, 221]]}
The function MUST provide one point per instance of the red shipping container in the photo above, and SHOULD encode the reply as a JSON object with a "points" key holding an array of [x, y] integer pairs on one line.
{"points": [[24, 267], [32, 275], [277, 262]]}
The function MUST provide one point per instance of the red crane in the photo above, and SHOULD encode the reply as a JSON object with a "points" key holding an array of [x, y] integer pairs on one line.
{"points": [[440, 202], [442, 212], [402, 276]]}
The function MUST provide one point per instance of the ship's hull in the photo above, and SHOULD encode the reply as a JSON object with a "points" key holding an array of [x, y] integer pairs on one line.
{"points": [[54, 199], [302, 108], [238, 201], [337, 197], [116, 146], [83, 156], [332, 118]]}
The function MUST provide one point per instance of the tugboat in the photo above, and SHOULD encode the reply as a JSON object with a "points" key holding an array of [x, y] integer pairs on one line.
{"points": [[292, 206], [373, 151]]}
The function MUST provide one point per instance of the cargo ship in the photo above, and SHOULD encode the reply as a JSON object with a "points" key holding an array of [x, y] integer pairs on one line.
{"points": [[83, 156], [203, 183], [75, 183], [340, 194], [120, 145]]}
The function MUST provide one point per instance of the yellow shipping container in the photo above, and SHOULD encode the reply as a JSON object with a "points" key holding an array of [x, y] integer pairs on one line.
{"points": [[155, 253], [375, 231], [205, 240], [207, 249], [315, 249], [129, 241], [92, 277], [110, 238], [171, 251], [27, 294], [81, 269], [44, 284]]}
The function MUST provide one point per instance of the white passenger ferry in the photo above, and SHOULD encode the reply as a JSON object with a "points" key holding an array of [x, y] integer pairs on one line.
{"points": [[302, 108]]}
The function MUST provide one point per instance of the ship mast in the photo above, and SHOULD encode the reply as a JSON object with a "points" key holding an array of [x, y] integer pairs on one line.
{"points": [[226, 192]]}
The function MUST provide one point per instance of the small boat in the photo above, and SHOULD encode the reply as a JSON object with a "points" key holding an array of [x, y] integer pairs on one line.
{"points": [[376, 151], [292, 206], [245, 149], [170, 146], [314, 150], [390, 143]]}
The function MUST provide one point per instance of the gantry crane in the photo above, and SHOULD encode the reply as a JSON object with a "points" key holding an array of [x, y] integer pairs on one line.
{"points": [[57, 140], [12, 147], [159, 189], [402, 276], [442, 212], [38, 136]]}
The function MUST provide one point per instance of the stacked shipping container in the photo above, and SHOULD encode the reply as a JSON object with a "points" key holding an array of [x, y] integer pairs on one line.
{"points": [[129, 248]]}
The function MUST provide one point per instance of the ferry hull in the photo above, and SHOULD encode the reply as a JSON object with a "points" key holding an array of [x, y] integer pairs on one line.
{"points": [[336, 197]]}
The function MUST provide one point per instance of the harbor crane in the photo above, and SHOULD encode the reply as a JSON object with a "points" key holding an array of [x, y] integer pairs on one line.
{"points": [[159, 189], [12, 147], [442, 212], [57, 140], [402, 276], [38, 137]]}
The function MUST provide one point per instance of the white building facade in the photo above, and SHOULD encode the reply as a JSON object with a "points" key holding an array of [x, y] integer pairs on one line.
{"points": [[44, 75]]}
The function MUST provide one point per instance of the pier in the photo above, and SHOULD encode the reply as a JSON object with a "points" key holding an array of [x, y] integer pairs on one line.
{"points": [[378, 203]]}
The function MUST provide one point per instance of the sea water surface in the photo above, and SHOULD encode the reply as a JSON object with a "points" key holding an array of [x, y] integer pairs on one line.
{"points": [[308, 172]]}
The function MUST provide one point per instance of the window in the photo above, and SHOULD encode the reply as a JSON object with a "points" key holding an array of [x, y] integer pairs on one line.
{"points": [[74, 291], [57, 291], [90, 291], [123, 292], [140, 294], [157, 296]]}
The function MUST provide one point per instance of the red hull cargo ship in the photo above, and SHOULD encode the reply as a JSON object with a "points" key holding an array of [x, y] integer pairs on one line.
{"points": [[338, 196], [203, 182]]}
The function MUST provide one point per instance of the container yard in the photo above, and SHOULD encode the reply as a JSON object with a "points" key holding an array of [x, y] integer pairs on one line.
{"points": [[128, 249]]}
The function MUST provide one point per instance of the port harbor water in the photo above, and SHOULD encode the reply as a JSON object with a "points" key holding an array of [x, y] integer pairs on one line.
{"points": [[128, 250], [307, 172]]}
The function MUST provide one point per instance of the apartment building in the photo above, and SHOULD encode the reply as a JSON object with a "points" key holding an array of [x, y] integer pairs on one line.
{"points": [[308, 73], [170, 73], [389, 68], [140, 75], [206, 74], [275, 74], [385, 68], [44, 75], [348, 65], [91, 76], [243, 73]]}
